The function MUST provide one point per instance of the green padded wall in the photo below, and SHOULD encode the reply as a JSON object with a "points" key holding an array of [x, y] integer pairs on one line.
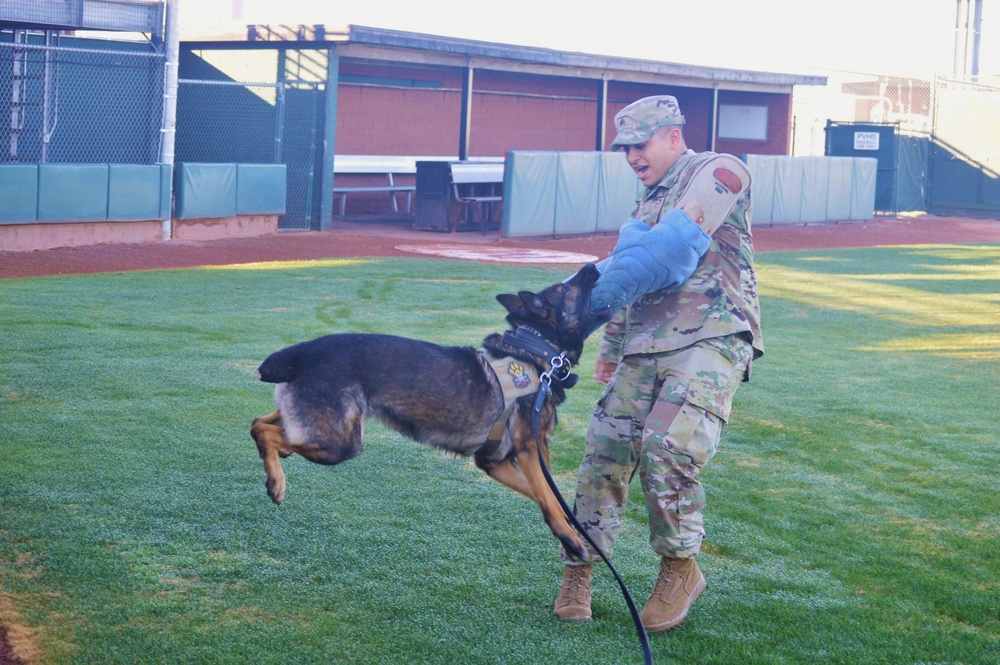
{"points": [[798, 190], [72, 192], [260, 189], [134, 192], [19, 193], [566, 193], [205, 190]]}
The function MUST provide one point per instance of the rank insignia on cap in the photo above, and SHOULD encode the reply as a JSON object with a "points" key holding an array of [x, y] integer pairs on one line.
{"points": [[517, 373]]}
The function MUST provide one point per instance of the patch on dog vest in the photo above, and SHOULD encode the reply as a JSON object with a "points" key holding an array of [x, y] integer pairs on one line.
{"points": [[517, 379], [518, 374]]}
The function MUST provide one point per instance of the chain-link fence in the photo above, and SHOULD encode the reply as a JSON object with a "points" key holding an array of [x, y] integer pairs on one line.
{"points": [[255, 122], [120, 15], [943, 146], [229, 121], [958, 110], [221, 118], [70, 100], [965, 113], [857, 97]]}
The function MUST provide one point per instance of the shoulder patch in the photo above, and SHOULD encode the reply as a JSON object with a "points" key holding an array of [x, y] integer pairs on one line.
{"points": [[517, 373]]}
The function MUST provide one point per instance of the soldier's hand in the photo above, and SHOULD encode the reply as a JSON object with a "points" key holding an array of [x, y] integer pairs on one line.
{"points": [[604, 370]]}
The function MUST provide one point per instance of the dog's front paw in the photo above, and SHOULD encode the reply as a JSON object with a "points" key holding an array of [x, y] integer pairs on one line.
{"points": [[574, 547], [276, 489]]}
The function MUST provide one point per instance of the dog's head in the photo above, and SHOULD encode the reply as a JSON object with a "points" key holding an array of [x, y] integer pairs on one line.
{"points": [[560, 313]]}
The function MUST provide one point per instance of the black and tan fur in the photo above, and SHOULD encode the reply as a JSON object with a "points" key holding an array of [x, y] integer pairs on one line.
{"points": [[445, 397]]}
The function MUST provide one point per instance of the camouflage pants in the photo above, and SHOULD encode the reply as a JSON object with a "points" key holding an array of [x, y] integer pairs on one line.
{"points": [[661, 415]]}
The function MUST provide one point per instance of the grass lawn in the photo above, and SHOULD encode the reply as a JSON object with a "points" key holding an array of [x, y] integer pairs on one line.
{"points": [[854, 506]]}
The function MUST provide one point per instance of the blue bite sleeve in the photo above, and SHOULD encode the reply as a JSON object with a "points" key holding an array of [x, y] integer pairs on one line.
{"points": [[648, 259]]}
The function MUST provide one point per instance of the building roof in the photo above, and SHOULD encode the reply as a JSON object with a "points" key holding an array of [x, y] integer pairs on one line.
{"points": [[379, 44]]}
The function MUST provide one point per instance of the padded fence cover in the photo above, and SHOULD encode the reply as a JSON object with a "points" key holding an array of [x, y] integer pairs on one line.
{"points": [[787, 188], [576, 205], [761, 193], [134, 191], [205, 190], [530, 193], [18, 193], [619, 192], [863, 190], [566, 193], [790, 190], [841, 175], [912, 173], [815, 182], [72, 192], [260, 189]]}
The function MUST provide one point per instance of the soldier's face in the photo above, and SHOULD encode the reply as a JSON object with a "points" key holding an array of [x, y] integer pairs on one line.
{"points": [[653, 158]]}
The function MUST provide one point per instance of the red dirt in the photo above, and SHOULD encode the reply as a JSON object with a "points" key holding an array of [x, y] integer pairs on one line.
{"points": [[354, 239]]}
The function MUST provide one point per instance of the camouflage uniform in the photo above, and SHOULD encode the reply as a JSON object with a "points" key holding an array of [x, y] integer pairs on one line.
{"points": [[681, 355]]}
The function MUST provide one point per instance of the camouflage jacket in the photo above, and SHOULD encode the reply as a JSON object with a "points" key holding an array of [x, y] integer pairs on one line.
{"points": [[720, 297]]}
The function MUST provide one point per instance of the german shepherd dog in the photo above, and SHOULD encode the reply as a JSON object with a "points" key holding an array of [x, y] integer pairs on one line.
{"points": [[445, 397]]}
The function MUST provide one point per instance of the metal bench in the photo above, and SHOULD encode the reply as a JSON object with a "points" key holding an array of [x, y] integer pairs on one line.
{"points": [[375, 165], [476, 185]]}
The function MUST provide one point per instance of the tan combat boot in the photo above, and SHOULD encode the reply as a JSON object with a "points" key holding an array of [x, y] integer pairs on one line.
{"points": [[679, 584], [573, 602]]}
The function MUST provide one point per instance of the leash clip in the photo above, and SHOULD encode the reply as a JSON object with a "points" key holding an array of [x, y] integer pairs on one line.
{"points": [[557, 363], [545, 379]]}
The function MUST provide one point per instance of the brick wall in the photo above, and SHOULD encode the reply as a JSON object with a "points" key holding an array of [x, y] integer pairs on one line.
{"points": [[416, 110]]}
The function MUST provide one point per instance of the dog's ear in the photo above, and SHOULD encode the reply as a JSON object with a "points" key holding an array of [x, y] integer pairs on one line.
{"points": [[511, 302], [534, 303]]}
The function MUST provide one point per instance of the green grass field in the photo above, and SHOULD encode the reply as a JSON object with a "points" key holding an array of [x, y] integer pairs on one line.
{"points": [[854, 506]]}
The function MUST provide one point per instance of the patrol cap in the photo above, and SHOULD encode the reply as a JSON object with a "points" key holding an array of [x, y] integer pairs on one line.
{"points": [[637, 121]]}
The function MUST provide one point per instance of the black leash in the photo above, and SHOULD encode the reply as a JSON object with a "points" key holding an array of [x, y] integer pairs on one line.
{"points": [[544, 391]]}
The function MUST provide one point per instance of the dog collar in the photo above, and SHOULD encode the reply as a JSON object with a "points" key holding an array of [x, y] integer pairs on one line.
{"points": [[529, 339]]}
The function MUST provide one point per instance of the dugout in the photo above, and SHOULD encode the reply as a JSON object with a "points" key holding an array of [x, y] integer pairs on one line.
{"points": [[362, 91], [84, 161]]}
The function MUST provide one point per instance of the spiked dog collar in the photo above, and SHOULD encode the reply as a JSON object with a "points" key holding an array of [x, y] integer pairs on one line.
{"points": [[529, 339]]}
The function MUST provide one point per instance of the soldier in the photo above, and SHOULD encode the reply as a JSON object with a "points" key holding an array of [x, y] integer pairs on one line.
{"points": [[672, 357]]}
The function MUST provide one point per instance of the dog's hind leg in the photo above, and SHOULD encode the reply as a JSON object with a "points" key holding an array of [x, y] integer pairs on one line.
{"points": [[271, 443]]}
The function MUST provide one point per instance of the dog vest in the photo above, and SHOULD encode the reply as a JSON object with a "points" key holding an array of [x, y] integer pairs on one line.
{"points": [[517, 379]]}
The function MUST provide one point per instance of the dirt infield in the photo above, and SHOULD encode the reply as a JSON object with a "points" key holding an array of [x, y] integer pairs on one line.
{"points": [[374, 238]]}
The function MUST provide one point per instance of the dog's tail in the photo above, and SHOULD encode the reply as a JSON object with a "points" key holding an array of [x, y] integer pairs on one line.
{"points": [[280, 366]]}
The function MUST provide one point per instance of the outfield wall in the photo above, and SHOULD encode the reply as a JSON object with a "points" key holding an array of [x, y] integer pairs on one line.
{"points": [[65, 205], [575, 193]]}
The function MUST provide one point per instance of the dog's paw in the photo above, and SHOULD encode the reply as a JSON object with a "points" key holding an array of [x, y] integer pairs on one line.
{"points": [[574, 548], [276, 489]]}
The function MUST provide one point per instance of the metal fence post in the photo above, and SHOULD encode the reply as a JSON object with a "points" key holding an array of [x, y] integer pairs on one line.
{"points": [[329, 139], [169, 123]]}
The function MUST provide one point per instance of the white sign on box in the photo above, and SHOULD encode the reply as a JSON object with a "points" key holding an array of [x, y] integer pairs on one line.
{"points": [[866, 140]]}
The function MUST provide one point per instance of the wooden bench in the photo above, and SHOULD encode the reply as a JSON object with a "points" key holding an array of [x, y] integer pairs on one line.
{"points": [[479, 186]]}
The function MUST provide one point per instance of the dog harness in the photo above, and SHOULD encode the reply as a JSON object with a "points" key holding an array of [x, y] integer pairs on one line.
{"points": [[517, 379]]}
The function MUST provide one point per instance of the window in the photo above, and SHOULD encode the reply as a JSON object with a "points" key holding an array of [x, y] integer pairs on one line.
{"points": [[742, 122]]}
